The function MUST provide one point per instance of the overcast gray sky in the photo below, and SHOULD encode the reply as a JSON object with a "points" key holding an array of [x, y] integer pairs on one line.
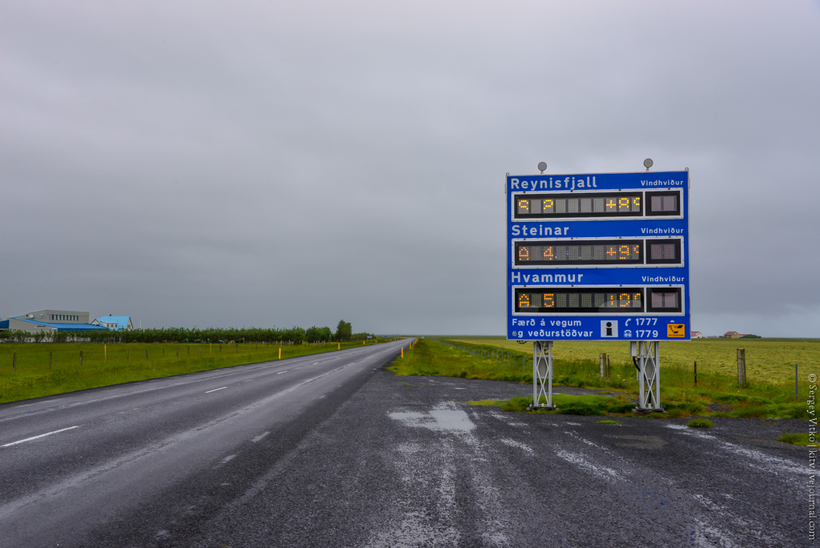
{"points": [[265, 164]]}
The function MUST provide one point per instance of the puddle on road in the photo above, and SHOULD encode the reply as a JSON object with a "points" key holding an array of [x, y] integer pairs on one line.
{"points": [[444, 417]]}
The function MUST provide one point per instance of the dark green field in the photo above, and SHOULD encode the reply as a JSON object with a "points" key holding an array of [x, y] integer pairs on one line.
{"points": [[30, 370]]}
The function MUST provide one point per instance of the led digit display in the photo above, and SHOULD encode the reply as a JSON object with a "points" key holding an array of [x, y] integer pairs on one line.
{"points": [[664, 299], [579, 252], [663, 203], [557, 300], [663, 251], [556, 206]]}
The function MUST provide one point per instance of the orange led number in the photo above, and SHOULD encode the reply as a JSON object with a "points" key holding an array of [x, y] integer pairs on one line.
{"points": [[548, 254], [624, 251], [549, 300], [524, 204]]}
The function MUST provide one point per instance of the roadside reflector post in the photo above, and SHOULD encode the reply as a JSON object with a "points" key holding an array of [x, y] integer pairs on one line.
{"points": [[14, 362], [280, 353], [696, 373], [50, 359], [542, 375], [402, 352], [602, 363], [105, 353], [796, 385], [81, 358]]}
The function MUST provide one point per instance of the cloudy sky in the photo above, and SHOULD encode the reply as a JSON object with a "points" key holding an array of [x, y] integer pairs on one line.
{"points": [[269, 163]]}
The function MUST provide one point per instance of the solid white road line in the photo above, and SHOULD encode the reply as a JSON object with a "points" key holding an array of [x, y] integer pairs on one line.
{"points": [[38, 437], [216, 389]]}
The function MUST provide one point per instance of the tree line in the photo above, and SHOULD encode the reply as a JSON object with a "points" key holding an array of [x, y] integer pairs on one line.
{"points": [[293, 335]]}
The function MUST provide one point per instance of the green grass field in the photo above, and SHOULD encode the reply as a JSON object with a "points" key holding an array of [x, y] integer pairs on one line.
{"points": [[767, 360], [576, 365], [44, 369]]}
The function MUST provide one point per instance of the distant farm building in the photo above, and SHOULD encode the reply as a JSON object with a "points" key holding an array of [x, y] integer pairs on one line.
{"points": [[732, 335], [49, 321], [114, 323], [697, 335]]}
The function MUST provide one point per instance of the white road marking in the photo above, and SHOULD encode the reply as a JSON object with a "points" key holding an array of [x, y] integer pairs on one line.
{"points": [[40, 436], [216, 389], [281, 372], [227, 459], [259, 437]]}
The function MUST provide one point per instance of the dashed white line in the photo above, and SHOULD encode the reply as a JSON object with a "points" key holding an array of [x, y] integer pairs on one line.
{"points": [[259, 437], [40, 436], [281, 372], [216, 389]]}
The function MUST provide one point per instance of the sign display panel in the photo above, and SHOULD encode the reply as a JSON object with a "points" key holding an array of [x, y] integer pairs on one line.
{"points": [[598, 256]]}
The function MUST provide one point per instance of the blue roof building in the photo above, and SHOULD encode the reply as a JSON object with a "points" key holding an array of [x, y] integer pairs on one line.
{"points": [[34, 326], [114, 323]]}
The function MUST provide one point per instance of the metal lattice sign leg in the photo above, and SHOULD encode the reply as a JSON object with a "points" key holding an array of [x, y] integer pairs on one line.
{"points": [[649, 376], [542, 375]]}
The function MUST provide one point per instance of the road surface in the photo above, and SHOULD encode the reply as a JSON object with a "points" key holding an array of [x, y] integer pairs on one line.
{"points": [[332, 450]]}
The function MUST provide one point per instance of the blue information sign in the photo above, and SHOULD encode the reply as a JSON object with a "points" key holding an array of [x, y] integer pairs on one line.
{"points": [[598, 256]]}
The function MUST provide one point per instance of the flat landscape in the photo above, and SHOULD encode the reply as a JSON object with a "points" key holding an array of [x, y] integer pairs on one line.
{"points": [[31, 370], [767, 360], [335, 449]]}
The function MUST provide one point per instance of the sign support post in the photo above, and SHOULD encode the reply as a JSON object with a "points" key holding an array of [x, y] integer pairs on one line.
{"points": [[649, 376], [542, 375]]}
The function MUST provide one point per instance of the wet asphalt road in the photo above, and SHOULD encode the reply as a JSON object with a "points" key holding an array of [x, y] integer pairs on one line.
{"points": [[407, 462], [386, 461]]}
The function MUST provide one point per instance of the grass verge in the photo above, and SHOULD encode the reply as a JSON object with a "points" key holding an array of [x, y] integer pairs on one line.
{"points": [[716, 394], [796, 439], [32, 370]]}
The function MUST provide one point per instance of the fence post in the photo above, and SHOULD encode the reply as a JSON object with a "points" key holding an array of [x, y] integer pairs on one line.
{"points": [[696, 373], [50, 358], [741, 366], [81, 358], [796, 386], [14, 362], [602, 364]]}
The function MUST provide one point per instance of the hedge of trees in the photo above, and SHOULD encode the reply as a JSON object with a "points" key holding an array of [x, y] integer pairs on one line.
{"points": [[294, 335]]}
